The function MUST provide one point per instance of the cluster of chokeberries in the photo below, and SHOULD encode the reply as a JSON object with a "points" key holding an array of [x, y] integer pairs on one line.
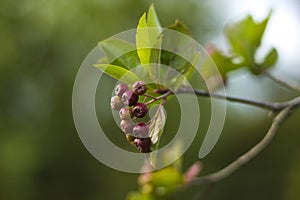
{"points": [[126, 101]]}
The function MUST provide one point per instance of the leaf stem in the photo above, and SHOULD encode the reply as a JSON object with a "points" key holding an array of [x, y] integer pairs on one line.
{"points": [[163, 96]]}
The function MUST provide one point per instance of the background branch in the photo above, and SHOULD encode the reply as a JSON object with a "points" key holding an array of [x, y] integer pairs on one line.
{"points": [[289, 85], [254, 151], [284, 108], [275, 106]]}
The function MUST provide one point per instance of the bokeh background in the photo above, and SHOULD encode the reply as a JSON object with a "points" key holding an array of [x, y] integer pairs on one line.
{"points": [[43, 43]]}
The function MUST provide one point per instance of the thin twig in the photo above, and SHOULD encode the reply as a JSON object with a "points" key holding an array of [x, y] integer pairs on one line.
{"points": [[254, 151], [289, 85], [165, 95], [275, 106], [283, 108], [150, 96]]}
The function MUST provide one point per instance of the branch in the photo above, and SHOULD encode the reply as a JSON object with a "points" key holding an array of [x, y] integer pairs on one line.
{"points": [[284, 108], [289, 85], [254, 151], [275, 106]]}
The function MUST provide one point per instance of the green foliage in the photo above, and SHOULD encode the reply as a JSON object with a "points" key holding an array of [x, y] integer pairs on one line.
{"points": [[118, 73], [153, 20], [42, 46], [180, 27], [148, 32], [223, 62], [139, 196], [161, 184], [123, 57], [270, 59], [158, 185], [120, 52], [174, 60], [245, 38], [157, 125], [149, 38]]}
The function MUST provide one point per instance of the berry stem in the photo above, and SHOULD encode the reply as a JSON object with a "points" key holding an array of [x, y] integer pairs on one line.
{"points": [[150, 96], [249, 155], [164, 96]]}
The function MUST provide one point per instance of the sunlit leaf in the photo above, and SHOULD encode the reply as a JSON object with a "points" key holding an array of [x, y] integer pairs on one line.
{"points": [[153, 20], [143, 43], [147, 33], [118, 73]]}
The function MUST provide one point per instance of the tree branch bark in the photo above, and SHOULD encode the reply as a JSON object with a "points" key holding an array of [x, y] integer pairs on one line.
{"points": [[283, 109], [275, 106], [285, 84], [246, 157]]}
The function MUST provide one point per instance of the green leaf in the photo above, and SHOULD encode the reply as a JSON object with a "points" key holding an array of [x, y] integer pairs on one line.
{"points": [[154, 68], [143, 41], [157, 125], [180, 27], [120, 52], [191, 66], [167, 180], [245, 37], [181, 50], [216, 66], [223, 62], [118, 73], [187, 73], [270, 59], [152, 18], [147, 33]]}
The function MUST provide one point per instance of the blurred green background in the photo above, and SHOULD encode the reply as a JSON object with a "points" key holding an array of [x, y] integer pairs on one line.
{"points": [[42, 46]]}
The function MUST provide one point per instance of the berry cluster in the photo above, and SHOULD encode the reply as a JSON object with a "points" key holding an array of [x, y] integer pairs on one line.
{"points": [[126, 102]]}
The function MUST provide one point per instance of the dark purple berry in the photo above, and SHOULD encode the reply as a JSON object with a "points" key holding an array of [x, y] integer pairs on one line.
{"points": [[116, 103], [120, 89], [129, 98], [143, 144], [127, 126], [125, 113], [139, 87], [130, 138], [141, 130], [140, 110]]}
